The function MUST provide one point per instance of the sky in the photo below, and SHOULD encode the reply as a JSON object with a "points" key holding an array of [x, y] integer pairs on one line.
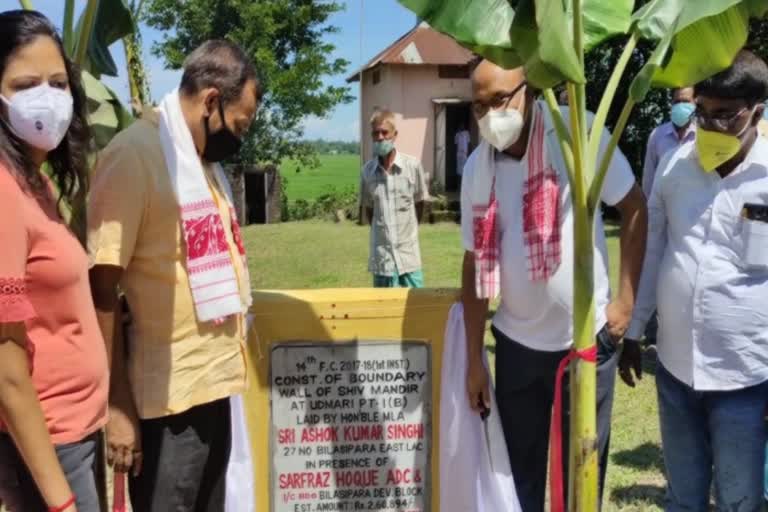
{"points": [[383, 22]]}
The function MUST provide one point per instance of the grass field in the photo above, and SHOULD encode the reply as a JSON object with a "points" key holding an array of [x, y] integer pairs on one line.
{"points": [[335, 171], [325, 255]]}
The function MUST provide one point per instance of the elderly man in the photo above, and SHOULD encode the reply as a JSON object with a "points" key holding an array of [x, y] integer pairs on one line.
{"points": [[706, 269], [393, 189], [162, 226], [517, 231]]}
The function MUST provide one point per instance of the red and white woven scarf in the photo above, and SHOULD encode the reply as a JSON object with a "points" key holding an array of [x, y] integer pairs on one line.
{"points": [[541, 214], [541, 207], [216, 289]]}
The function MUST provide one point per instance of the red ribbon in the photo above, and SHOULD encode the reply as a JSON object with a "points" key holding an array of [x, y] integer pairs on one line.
{"points": [[556, 428], [118, 494]]}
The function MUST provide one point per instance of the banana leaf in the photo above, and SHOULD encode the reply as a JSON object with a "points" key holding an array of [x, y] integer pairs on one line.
{"points": [[696, 42], [106, 114], [604, 20], [113, 21], [523, 36], [556, 49], [536, 33], [481, 26]]}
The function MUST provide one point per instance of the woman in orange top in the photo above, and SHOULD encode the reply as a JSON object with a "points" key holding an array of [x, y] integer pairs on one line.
{"points": [[53, 362]]}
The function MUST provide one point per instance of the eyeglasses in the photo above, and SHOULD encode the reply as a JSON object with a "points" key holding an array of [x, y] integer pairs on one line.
{"points": [[721, 122], [499, 101]]}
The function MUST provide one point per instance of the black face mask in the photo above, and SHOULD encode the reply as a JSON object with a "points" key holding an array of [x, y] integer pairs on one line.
{"points": [[220, 145]]}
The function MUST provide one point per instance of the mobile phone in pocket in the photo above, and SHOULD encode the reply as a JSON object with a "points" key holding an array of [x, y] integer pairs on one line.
{"points": [[756, 212]]}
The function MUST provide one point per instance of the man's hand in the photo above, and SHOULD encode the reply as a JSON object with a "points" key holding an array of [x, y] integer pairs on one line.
{"points": [[124, 440], [619, 315], [631, 359], [478, 386]]}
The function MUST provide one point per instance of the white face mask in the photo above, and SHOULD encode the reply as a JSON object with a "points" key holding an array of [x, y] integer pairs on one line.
{"points": [[40, 116], [501, 128]]}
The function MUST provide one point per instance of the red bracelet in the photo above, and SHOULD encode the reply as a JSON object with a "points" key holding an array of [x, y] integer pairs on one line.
{"points": [[65, 506]]}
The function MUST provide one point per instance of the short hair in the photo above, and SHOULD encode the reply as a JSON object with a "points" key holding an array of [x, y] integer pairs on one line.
{"points": [[746, 79], [384, 116], [220, 64]]}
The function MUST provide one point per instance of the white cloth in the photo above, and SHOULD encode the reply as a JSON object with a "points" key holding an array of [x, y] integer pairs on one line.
{"points": [[475, 474], [240, 491], [538, 314], [462, 150], [240, 481], [214, 283], [702, 274]]}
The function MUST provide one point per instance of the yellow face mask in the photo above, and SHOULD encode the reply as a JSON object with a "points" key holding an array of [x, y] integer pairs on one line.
{"points": [[716, 148]]}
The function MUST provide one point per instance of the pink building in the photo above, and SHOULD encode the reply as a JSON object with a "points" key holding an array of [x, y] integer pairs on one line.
{"points": [[424, 79]]}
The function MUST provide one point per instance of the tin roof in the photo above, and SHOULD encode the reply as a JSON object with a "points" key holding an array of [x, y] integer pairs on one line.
{"points": [[421, 46]]}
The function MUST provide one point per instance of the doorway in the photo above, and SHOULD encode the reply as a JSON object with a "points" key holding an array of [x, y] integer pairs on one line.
{"points": [[256, 198], [458, 117]]}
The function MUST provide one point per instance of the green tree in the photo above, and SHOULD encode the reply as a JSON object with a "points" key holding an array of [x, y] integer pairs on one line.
{"points": [[286, 38], [758, 38]]}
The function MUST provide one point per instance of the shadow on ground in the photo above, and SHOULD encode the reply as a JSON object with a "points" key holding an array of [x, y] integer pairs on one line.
{"points": [[646, 457], [635, 494]]}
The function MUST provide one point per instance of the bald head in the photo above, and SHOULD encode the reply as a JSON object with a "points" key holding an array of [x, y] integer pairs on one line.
{"points": [[489, 79], [496, 88]]}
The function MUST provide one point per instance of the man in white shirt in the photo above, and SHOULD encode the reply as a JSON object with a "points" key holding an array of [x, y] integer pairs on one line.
{"points": [[533, 323], [706, 270], [670, 135], [462, 149], [665, 138]]}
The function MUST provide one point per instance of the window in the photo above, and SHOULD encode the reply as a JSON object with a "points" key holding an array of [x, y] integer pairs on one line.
{"points": [[453, 71], [376, 76]]}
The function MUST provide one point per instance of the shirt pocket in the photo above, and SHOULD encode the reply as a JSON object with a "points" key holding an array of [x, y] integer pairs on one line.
{"points": [[405, 191], [754, 234]]}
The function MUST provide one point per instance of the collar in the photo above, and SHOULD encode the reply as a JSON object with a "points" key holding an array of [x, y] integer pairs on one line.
{"points": [[397, 164], [757, 155], [670, 129]]}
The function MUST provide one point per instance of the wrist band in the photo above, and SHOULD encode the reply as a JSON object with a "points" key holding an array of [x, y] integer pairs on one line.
{"points": [[65, 506]]}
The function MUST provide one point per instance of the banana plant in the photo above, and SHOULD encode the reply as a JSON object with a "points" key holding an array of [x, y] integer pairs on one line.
{"points": [[694, 40], [138, 80]]}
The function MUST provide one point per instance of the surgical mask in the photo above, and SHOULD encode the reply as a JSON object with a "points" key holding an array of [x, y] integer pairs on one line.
{"points": [[681, 113], [383, 147], [765, 111], [40, 116], [501, 128], [222, 144], [716, 148]]}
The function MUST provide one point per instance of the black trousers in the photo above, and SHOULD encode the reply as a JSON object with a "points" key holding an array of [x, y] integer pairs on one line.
{"points": [[525, 388], [185, 461]]}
